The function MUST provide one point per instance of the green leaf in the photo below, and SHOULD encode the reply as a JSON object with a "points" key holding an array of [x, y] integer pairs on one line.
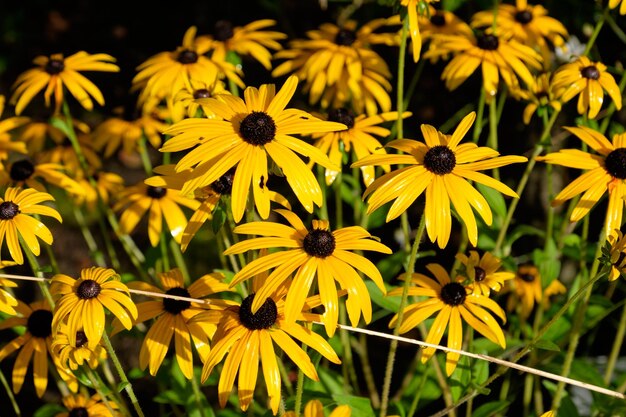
{"points": [[331, 381], [460, 378], [122, 385], [169, 396], [491, 409], [544, 344], [391, 304], [391, 265], [219, 217], [361, 406], [47, 410], [496, 202], [452, 5], [548, 263]]}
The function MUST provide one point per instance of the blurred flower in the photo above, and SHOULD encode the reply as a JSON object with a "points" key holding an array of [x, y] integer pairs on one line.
{"points": [[339, 67], [315, 408], [54, 72], [453, 302], [6, 144], [108, 187], [34, 343], [526, 288], [540, 95], [442, 168], [569, 51], [556, 287], [73, 355], [414, 14], [161, 203], [116, 132], [243, 40], [441, 22], [496, 56], [25, 173], [249, 132], [245, 338], [80, 405], [16, 220], [82, 302], [483, 272], [185, 103], [359, 137], [606, 172], [525, 23], [315, 253], [65, 155], [36, 132], [173, 319], [614, 255], [589, 80]]}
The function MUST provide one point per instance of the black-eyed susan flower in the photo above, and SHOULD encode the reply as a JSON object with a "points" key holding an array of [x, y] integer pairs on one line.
{"points": [[621, 3], [247, 338], [116, 132], [160, 203], [55, 72], [496, 56], [7, 300], [589, 80], [454, 303], [484, 272], [441, 22], [166, 73], [33, 344], [26, 173], [65, 155], [540, 95], [525, 23], [315, 408], [614, 255], [185, 103], [108, 187], [16, 210], [81, 302], [525, 288], [250, 131], [73, 355], [414, 14], [339, 67], [312, 253], [36, 133], [359, 137], [80, 405], [606, 172], [441, 168], [173, 319], [248, 40]]}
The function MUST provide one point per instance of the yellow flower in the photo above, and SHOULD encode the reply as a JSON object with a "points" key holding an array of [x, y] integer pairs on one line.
{"points": [[64, 154], [483, 272], [81, 405], [616, 255], [185, 103], [7, 300], [590, 80], [250, 131], [526, 288], [441, 22], [606, 172], [359, 137], [108, 187], [614, 3], [442, 168], [24, 173], [243, 40], [54, 72], [246, 338], [540, 95], [315, 408], [414, 20], [339, 67], [166, 73], [82, 302], [116, 132], [34, 343], [525, 23], [173, 319], [16, 209], [315, 253], [73, 355], [454, 303], [36, 132], [161, 203], [497, 57]]}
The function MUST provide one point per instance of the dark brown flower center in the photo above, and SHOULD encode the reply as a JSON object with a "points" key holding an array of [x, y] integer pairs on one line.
{"points": [[487, 42], [88, 289], [342, 115], [187, 56], [8, 210], [223, 30], [202, 93], [257, 128], [39, 323], [319, 243], [438, 19], [21, 170], [264, 318], [526, 277], [615, 163], [453, 294], [224, 184], [345, 37], [590, 72], [54, 66], [479, 274], [176, 306], [78, 412], [523, 16], [81, 339], [156, 192], [440, 160]]}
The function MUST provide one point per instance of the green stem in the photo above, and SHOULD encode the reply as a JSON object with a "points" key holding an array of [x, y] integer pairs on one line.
{"points": [[396, 331], [299, 392], [400, 81], [596, 31], [493, 132], [145, 158], [478, 126], [128, 387], [96, 385], [94, 251], [179, 260], [418, 393], [617, 346], [284, 376], [522, 184], [197, 394], [34, 265], [368, 375], [165, 259], [7, 388]]}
